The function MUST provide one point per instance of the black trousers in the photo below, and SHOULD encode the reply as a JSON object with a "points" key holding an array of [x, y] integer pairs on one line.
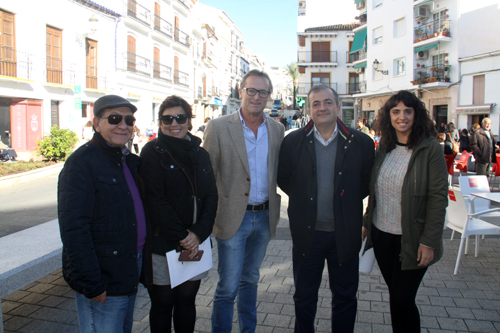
{"points": [[343, 278], [403, 285]]}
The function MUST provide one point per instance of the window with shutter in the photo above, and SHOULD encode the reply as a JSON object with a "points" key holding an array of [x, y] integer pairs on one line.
{"points": [[54, 55], [131, 56], [320, 52], [8, 62], [91, 62]]}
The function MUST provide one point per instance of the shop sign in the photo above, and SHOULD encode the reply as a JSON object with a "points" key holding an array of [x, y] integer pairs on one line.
{"points": [[474, 110]]}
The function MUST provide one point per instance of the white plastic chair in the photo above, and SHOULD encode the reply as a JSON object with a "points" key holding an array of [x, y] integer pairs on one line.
{"points": [[468, 224], [477, 184]]}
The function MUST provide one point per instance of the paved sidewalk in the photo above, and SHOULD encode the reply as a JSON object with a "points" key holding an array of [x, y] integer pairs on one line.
{"points": [[468, 302]]}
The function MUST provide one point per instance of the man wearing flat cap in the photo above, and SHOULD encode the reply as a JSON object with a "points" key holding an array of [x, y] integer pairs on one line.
{"points": [[102, 222]]}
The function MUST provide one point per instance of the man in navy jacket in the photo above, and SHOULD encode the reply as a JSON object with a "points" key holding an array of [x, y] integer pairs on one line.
{"points": [[325, 168], [102, 221]]}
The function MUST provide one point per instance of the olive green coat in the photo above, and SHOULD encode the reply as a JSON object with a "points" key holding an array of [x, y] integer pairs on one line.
{"points": [[424, 197]]}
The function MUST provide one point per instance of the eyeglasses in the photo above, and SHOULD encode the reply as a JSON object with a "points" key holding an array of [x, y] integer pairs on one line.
{"points": [[115, 119], [180, 118], [252, 92]]}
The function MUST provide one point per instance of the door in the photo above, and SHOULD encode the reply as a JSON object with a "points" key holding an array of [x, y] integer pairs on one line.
{"points": [[8, 64], [353, 83], [54, 55], [91, 62], [131, 57], [54, 113]]}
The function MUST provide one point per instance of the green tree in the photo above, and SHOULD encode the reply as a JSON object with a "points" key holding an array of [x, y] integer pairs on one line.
{"points": [[58, 144], [292, 71]]}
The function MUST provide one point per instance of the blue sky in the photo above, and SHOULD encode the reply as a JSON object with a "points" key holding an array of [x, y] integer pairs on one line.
{"points": [[269, 27]]}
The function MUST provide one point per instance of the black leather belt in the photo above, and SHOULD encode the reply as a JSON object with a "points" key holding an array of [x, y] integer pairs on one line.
{"points": [[257, 208]]}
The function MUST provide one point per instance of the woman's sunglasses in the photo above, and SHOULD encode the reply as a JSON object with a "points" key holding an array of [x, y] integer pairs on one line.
{"points": [[180, 118], [115, 119]]}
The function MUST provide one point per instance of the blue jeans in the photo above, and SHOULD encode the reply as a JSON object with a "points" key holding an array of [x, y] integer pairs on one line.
{"points": [[239, 261], [115, 315], [343, 278]]}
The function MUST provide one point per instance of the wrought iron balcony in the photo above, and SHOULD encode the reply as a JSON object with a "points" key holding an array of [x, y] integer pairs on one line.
{"points": [[184, 3], [432, 29], [16, 64], [181, 37], [359, 55], [303, 88], [162, 72], [138, 64], [356, 87], [317, 56], [163, 26], [60, 72], [138, 11], [438, 73], [181, 78], [97, 79]]}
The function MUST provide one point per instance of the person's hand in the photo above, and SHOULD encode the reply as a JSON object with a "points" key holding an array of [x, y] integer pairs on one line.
{"points": [[425, 255], [101, 298], [191, 243], [364, 233]]}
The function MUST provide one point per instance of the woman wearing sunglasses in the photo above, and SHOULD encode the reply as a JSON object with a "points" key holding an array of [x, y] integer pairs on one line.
{"points": [[181, 202]]}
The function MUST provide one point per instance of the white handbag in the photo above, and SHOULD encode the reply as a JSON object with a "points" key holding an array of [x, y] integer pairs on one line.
{"points": [[366, 260]]}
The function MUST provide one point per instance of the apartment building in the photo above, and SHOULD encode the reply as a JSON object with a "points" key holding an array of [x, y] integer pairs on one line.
{"points": [[52, 67], [433, 48], [323, 58]]}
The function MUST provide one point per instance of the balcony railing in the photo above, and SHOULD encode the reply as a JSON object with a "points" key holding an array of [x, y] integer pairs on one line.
{"points": [[97, 80], [14, 63], [138, 11], [181, 78], [181, 37], [138, 64], [303, 88], [163, 26], [162, 72], [432, 29], [439, 73], [215, 91], [352, 57], [317, 56], [60, 72], [184, 2], [356, 87]]}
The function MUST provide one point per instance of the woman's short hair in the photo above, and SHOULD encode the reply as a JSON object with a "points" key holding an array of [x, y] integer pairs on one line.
{"points": [[422, 122], [173, 101], [475, 126]]}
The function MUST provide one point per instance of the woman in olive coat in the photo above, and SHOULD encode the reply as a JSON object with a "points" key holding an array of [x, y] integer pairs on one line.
{"points": [[408, 198]]}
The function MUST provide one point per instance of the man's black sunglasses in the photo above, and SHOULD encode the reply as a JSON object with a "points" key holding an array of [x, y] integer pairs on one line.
{"points": [[180, 118], [115, 119]]}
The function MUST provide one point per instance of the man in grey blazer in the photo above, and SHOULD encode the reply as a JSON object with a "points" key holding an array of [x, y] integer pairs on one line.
{"points": [[244, 150]]}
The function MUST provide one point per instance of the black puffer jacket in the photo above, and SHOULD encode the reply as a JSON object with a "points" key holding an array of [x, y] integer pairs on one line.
{"points": [[170, 193], [297, 177], [97, 221]]}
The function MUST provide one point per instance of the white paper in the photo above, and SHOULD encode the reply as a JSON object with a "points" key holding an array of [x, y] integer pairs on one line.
{"points": [[181, 271], [366, 260]]}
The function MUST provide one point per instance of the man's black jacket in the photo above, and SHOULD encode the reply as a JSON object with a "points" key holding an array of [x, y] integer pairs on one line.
{"points": [[297, 178]]}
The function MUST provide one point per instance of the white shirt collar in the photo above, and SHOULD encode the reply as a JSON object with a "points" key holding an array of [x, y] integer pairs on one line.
{"points": [[324, 142]]}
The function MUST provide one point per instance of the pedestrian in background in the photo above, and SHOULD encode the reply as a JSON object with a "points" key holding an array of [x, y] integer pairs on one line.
{"points": [[407, 203], [464, 141], [325, 208], [102, 222], [483, 145], [181, 200], [244, 150]]}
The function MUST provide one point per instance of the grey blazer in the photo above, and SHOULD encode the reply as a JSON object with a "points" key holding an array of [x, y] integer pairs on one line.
{"points": [[224, 141]]}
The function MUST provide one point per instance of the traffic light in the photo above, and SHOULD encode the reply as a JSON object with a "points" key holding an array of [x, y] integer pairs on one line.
{"points": [[300, 101]]}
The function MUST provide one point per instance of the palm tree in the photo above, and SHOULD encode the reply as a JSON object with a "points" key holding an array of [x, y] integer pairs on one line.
{"points": [[292, 71]]}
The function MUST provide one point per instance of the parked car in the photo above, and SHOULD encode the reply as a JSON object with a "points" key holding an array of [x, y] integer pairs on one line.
{"points": [[274, 113]]}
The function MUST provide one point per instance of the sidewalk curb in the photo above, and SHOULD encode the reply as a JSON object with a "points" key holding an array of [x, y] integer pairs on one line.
{"points": [[21, 178]]}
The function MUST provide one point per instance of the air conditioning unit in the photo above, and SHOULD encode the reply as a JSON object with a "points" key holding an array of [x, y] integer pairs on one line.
{"points": [[360, 5], [359, 70], [422, 55], [422, 13]]}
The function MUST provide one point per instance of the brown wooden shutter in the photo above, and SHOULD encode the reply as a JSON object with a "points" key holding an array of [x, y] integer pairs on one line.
{"points": [[478, 90], [131, 53], [7, 43], [54, 55], [156, 63], [320, 52], [302, 41], [302, 70], [91, 62], [176, 69], [157, 16]]}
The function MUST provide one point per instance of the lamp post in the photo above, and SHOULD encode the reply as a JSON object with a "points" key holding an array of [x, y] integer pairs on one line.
{"points": [[375, 67]]}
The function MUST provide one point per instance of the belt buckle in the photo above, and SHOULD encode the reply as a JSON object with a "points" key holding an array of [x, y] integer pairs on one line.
{"points": [[253, 209]]}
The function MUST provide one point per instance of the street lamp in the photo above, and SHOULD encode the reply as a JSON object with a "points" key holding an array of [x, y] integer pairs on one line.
{"points": [[375, 67]]}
